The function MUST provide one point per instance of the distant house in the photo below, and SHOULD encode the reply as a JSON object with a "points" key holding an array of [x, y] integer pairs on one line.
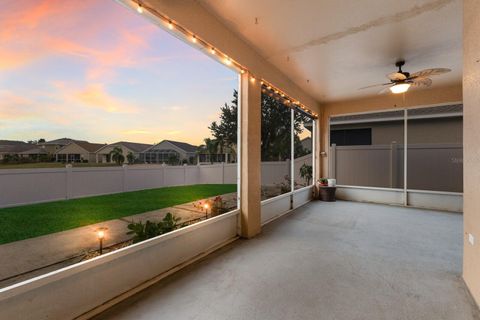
{"points": [[167, 150], [78, 151], [34, 153], [19, 149], [228, 155], [104, 154], [54, 145]]}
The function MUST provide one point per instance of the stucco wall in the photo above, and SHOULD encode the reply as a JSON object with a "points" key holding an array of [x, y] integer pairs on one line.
{"points": [[471, 133]]}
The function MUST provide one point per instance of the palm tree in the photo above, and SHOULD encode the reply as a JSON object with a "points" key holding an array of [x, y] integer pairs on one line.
{"points": [[211, 146], [117, 155], [130, 157]]}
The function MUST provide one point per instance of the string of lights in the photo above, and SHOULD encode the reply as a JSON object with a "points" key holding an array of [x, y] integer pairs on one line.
{"points": [[228, 61]]}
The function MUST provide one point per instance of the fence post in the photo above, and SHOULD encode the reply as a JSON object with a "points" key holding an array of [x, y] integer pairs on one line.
{"points": [[184, 174], [124, 177], [163, 175], [393, 164], [68, 181], [223, 172], [332, 172]]}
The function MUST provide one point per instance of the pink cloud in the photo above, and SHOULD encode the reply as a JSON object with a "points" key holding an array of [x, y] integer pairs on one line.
{"points": [[95, 96], [33, 30]]}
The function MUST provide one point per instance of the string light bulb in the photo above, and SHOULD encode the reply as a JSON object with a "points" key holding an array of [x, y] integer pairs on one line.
{"points": [[228, 61]]}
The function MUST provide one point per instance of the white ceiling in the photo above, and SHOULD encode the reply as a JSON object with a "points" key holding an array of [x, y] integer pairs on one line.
{"points": [[342, 45]]}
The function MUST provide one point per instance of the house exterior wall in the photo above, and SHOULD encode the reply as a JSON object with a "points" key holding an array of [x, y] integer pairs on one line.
{"points": [[76, 149], [471, 132], [101, 155], [166, 145], [73, 148]]}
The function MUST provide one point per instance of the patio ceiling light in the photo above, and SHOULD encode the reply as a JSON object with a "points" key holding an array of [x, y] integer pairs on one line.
{"points": [[400, 88]]}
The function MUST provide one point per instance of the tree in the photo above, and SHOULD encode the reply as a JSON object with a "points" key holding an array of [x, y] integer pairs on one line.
{"points": [[130, 157], [225, 132], [41, 140], [117, 155], [276, 120]]}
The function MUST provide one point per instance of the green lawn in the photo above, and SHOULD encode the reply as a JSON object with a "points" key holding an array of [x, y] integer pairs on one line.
{"points": [[30, 221]]}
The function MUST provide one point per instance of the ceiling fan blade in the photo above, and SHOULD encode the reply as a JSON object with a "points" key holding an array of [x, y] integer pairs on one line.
{"points": [[375, 85], [429, 72], [421, 81], [385, 90], [396, 76]]}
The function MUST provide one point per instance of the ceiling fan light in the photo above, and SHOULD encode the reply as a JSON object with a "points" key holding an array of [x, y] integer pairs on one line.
{"points": [[400, 88]]}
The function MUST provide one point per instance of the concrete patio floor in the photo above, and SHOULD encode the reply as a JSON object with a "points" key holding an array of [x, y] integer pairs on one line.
{"points": [[340, 260]]}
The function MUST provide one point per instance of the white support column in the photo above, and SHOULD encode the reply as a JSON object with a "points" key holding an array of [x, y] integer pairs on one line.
{"points": [[332, 170], [292, 148], [292, 155], [393, 165], [250, 172], [405, 158]]}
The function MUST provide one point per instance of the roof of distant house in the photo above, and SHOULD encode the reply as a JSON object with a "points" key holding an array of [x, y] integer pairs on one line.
{"points": [[188, 148], [87, 146], [34, 150], [134, 146], [61, 141], [183, 145], [90, 147], [12, 146]]}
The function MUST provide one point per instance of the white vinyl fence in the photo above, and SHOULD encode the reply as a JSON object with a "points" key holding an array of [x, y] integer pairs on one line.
{"points": [[27, 186]]}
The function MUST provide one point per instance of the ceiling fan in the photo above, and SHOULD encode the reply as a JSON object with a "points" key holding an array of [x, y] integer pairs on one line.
{"points": [[401, 81]]}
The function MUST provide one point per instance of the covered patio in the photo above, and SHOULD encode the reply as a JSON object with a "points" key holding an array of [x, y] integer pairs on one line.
{"points": [[340, 260], [387, 249]]}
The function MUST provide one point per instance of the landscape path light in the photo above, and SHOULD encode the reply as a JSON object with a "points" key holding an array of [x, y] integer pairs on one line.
{"points": [[100, 236], [206, 206]]}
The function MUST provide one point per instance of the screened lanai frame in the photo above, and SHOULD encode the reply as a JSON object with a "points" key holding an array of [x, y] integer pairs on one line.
{"points": [[290, 194], [405, 190]]}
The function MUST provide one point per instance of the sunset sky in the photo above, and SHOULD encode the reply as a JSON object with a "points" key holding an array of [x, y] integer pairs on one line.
{"points": [[94, 70]]}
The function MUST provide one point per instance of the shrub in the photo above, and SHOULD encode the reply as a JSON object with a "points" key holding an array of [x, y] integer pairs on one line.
{"points": [[306, 173], [216, 206], [143, 231]]}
